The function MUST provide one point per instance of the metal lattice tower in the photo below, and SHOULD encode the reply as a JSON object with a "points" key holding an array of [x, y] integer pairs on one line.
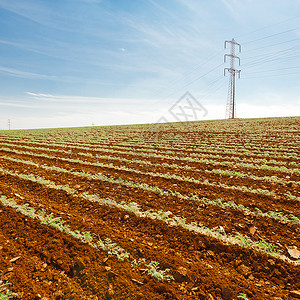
{"points": [[231, 105]]}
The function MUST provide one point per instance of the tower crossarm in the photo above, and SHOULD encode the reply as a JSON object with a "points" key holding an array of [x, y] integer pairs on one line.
{"points": [[232, 57], [232, 71], [233, 42]]}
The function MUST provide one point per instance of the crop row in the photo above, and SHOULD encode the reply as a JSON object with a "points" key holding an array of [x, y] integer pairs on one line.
{"points": [[108, 134], [176, 166], [79, 212], [211, 147], [171, 219], [156, 189], [205, 182], [86, 237], [237, 161], [197, 151], [196, 147]]}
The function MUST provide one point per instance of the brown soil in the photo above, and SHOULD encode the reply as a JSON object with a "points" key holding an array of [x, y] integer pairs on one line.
{"points": [[53, 265]]}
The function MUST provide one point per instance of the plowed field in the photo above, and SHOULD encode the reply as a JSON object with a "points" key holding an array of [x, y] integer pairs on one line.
{"points": [[200, 210]]}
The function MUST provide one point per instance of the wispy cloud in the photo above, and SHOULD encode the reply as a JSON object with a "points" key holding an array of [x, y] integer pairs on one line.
{"points": [[82, 99], [28, 10], [24, 74], [40, 13], [192, 5], [228, 5], [235, 9], [15, 104]]}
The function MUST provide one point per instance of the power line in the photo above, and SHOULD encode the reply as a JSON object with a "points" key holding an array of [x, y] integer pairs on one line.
{"points": [[253, 61], [219, 86], [174, 82], [267, 76], [191, 82], [272, 35], [282, 59], [284, 42], [264, 27], [201, 76], [279, 55], [271, 62], [273, 53], [274, 70]]}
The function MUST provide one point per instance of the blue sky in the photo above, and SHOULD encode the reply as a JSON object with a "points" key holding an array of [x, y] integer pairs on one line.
{"points": [[78, 62]]}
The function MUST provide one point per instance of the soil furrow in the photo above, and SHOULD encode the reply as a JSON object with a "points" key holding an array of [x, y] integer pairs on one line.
{"points": [[251, 200], [208, 257], [207, 215]]}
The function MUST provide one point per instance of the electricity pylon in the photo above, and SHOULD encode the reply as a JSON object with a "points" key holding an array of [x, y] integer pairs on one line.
{"points": [[231, 106]]}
